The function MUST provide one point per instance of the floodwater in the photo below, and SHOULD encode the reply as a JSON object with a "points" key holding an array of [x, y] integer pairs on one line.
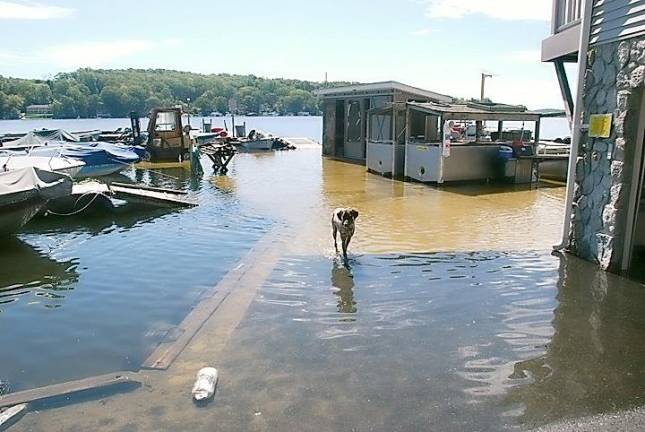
{"points": [[310, 127], [88, 296], [452, 313]]}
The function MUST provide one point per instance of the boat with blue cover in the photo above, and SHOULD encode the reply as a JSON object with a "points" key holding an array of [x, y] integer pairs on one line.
{"points": [[100, 158]]}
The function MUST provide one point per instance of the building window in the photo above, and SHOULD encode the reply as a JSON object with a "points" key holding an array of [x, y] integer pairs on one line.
{"points": [[381, 128], [354, 121], [380, 101]]}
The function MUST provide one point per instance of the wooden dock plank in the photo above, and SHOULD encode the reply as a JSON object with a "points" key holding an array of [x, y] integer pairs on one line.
{"points": [[149, 188], [245, 272], [68, 388], [301, 142], [151, 196], [10, 416]]}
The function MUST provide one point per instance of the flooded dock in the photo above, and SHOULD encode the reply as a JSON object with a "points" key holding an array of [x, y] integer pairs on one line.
{"points": [[453, 313]]}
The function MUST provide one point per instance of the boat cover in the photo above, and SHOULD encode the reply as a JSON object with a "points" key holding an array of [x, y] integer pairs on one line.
{"points": [[15, 160], [92, 153], [22, 184], [42, 137]]}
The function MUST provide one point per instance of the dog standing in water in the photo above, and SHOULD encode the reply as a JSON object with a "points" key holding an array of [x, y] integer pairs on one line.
{"points": [[343, 221]]}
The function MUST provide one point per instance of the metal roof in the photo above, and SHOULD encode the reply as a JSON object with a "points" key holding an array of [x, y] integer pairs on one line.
{"points": [[476, 111], [382, 87]]}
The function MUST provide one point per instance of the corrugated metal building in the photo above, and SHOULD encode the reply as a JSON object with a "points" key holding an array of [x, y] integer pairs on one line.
{"points": [[345, 114]]}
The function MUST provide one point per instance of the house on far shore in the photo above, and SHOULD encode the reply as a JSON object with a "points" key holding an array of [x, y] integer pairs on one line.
{"points": [[345, 113], [39, 111]]}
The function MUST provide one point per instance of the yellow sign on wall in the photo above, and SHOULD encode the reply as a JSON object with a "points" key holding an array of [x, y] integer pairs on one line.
{"points": [[600, 125]]}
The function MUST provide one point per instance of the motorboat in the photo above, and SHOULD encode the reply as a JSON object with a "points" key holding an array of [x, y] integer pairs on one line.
{"points": [[38, 138], [99, 158], [256, 141], [256, 144], [25, 191], [10, 161]]}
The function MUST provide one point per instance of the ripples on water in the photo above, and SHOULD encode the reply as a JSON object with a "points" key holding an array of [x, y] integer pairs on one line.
{"points": [[465, 341], [412, 341], [96, 295]]}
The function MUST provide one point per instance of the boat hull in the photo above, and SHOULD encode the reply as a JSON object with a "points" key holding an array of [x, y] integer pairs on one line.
{"points": [[14, 217], [89, 171], [554, 170], [259, 144], [24, 192]]}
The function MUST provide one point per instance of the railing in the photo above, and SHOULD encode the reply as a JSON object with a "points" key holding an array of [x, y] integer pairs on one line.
{"points": [[566, 13]]}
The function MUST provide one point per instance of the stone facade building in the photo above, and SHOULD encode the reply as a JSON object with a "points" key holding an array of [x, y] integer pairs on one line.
{"points": [[613, 84], [605, 188]]}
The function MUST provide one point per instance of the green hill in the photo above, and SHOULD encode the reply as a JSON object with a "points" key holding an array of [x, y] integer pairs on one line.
{"points": [[89, 93]]}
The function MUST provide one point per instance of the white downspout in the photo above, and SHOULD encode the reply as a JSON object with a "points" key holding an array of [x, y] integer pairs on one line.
{"points": [[577, 121], [442, 132]]}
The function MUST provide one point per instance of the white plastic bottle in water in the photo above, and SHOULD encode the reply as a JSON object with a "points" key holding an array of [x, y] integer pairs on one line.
{"points": [[205, 384]]}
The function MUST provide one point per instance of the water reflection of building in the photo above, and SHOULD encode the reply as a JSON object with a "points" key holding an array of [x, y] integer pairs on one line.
{"points": [[594, 362]]}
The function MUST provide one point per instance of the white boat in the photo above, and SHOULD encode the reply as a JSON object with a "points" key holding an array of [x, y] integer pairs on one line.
{"points": [[71, 167], [257, 140], [257, 144], [554, 160], [24, 192]]}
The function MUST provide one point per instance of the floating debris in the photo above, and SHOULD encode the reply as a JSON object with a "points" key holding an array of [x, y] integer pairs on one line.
{"points": [[205, 384]]}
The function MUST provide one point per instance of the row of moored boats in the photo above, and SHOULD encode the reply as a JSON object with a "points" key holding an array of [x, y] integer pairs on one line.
{"points": [[42, 165]]}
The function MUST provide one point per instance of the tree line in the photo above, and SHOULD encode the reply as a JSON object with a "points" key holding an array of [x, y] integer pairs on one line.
{"points": [[88, 93]]}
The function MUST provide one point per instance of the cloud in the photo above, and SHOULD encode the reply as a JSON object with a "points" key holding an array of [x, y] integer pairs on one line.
{"points": [[88, 54], [32, 11], [536, 10]]}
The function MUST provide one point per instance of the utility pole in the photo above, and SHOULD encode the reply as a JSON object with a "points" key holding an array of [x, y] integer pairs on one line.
{"points": [[479, 126], [188, 103], [483, 94]]}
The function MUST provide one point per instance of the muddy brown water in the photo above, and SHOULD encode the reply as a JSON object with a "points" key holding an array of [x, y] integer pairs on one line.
{"points": [[453, 314]]}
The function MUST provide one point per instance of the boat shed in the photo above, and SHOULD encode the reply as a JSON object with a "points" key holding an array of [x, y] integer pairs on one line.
{"points": [[345, 114], [437, 149]]}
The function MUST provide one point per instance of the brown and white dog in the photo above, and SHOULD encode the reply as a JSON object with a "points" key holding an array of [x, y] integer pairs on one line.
{"points": [[343, 221]]}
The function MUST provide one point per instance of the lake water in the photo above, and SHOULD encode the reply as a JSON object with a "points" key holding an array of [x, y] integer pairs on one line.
{"points": [[453, 314], [310, 127], [98, 294]]}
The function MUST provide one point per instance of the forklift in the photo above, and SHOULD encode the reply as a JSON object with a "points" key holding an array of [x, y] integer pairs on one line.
{"points": [[168, 140]]}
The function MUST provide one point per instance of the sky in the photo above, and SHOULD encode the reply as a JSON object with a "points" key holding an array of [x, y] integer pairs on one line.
{"points": [[439, 45]]}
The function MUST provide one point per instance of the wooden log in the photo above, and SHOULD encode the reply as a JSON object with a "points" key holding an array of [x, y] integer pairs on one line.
{"points": [[68, 388]]}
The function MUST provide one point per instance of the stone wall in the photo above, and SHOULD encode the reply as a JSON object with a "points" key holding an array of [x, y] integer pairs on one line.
{"points": [[613, 84]]}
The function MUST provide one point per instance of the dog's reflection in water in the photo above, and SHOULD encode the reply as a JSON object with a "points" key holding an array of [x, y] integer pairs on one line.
{"points": [[343, 281]]}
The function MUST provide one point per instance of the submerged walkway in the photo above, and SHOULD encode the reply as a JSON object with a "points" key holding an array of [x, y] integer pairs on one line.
{"points": [[453, 315]]}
